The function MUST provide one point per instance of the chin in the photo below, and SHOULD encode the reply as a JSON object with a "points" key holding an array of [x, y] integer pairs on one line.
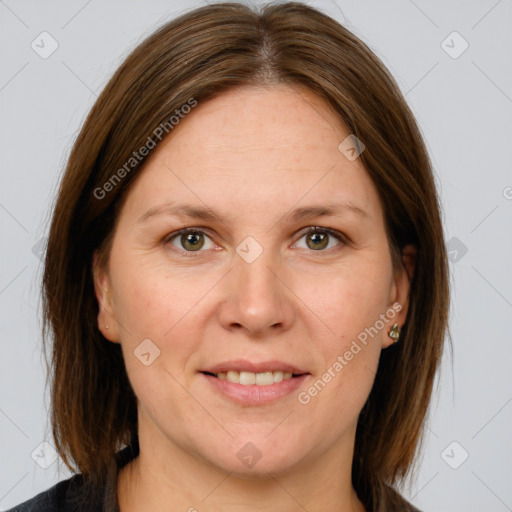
{"points": [[256, 459]]}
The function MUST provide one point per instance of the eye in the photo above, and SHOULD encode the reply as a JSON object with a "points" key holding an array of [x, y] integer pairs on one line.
{"points": [[189, 240], [318, 238]]}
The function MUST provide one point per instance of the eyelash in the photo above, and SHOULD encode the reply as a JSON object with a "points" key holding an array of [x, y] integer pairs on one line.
{"points": [[311, 229]]}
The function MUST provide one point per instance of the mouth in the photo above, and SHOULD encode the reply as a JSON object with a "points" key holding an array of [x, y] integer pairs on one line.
{"points": [[253, 384]]}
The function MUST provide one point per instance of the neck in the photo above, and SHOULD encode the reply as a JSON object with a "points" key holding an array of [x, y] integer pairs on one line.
{"points": [[175, 479]]}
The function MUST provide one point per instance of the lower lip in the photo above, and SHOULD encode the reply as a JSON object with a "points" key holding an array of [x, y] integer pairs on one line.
{"points": [[254, 394]]}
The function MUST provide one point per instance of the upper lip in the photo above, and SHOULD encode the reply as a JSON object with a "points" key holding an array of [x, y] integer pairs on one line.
{"points": [[242, 365]]}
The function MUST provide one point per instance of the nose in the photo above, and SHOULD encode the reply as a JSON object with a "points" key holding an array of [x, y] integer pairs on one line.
{"points": [[257, 298]]}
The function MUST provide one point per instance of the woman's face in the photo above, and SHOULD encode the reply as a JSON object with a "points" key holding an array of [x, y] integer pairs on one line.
{"points": [[249, 289]]}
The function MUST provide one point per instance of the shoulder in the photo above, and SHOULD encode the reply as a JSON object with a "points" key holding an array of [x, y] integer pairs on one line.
{"points": [[55, 499]]}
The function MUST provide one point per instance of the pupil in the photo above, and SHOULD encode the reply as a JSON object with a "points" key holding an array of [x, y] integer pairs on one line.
{"points": [[190, 240]]}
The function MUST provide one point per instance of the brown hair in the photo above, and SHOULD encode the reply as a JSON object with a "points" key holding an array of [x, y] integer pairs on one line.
{"points": [[198, 55]]}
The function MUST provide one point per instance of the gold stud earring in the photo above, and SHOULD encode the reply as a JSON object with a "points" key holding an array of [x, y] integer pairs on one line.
{"points": [[394, 333]]}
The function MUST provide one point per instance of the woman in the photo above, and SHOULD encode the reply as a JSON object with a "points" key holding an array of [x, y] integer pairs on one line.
{"points": [[246, 283]]}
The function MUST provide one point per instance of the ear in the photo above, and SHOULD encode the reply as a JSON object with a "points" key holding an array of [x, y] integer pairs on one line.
{"points": [[400, 289], [106, 315]]}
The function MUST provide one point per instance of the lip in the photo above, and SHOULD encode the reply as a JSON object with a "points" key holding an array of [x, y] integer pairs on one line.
{"points": [[243, 365], [254, 394]]}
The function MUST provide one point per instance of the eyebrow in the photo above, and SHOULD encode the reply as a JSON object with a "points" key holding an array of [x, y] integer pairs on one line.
{"points": [[204, 213]]}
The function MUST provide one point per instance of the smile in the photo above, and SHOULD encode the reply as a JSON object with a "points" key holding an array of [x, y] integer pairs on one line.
{"points": [[253, 388]]}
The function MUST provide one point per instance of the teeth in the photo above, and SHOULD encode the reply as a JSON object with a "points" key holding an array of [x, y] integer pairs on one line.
{"points": [[250, 378], [233, 376]]}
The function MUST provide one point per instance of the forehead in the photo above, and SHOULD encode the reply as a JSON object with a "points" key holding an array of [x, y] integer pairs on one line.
{"points": [[268, 118], [254, 147]]}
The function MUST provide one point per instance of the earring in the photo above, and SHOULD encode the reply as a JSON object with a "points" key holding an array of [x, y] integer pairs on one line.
{"points": [[106, 327], [394, 333]]}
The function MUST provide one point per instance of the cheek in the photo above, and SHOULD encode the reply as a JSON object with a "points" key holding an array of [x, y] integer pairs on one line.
{"points": [[349, 353], [153, 303], [148, 300], [350, 304], [349, 299]]}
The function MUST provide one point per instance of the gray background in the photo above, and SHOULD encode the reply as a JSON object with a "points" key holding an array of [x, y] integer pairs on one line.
{"points": [[463, 103]]}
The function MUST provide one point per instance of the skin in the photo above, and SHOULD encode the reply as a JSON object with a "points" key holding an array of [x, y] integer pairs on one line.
{"points": [[253, 155]]}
